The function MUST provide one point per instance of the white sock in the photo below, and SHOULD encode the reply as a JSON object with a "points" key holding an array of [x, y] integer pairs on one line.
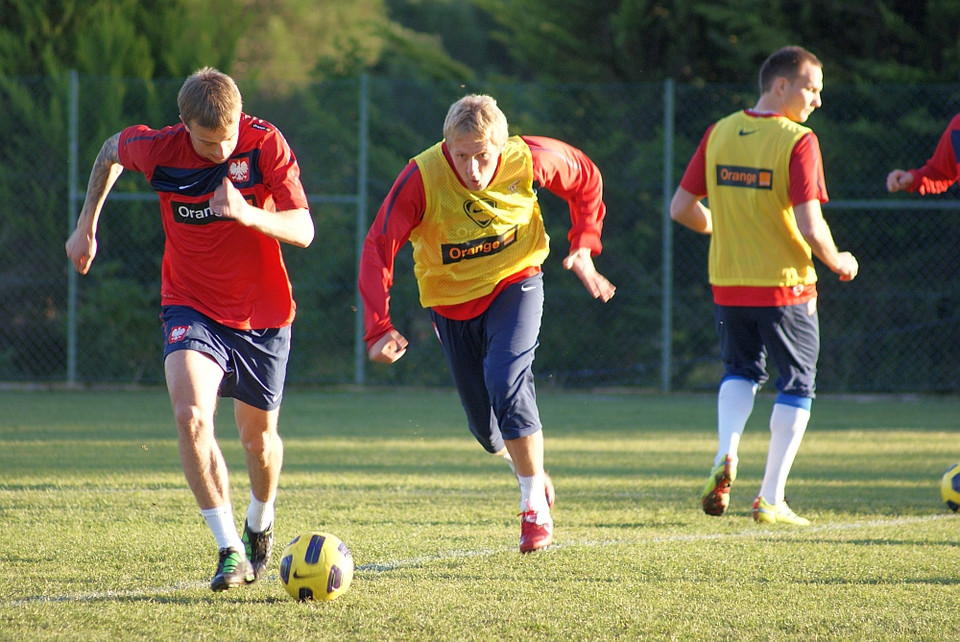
{"points": [[259, 514], [787, 425], [533, 496], [220, 521], [734, 405]]}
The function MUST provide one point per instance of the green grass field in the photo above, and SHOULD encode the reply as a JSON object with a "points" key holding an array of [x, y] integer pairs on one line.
{"points": [[100, 538]]}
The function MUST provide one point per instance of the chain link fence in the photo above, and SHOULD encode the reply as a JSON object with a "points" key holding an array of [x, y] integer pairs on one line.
{"points": [[894, 329]]}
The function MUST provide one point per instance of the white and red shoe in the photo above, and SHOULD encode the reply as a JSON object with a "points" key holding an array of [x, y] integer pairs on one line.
{"points": [[534, 536]]}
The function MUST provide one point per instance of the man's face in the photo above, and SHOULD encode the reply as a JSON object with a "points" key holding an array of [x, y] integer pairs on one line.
{"points": [[475, 161], [802, 95], [215, 145]]}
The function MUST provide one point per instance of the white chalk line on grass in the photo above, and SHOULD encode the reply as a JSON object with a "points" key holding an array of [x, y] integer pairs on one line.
{"points": [[375, 568]]}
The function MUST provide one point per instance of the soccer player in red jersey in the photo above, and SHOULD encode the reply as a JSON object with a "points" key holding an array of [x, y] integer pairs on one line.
{"points": [[230, 193], [938, 173], [468, 206], [762, 172]]}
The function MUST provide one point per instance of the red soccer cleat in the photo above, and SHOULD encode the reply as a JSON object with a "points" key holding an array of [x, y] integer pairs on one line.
{"points": [[533, 536]]}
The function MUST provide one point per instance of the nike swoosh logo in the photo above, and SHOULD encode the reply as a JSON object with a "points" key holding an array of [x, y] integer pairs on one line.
{"points": [[181, 187], [527, 288], [747, 133], [297, 576]]}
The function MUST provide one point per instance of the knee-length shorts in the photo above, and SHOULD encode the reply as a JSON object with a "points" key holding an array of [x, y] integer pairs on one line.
{"points": [[491, 361], [789, 334]]}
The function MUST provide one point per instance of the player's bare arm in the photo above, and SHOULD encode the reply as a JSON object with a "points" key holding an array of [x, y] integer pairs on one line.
{"points": [[898, 179], [580, 262], [817, 234], [686, 209], [81, 247], [388, 348], [289, 226]]}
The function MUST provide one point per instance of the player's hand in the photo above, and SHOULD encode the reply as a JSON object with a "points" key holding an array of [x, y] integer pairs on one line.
{"points": [[848, 267], [388, 348], [228, 202], [81, 248], [581, 263], [898, 180]]}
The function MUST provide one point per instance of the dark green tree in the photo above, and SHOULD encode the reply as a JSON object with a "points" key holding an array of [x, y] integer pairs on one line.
{"points": [[725, 40], [120, 38]]}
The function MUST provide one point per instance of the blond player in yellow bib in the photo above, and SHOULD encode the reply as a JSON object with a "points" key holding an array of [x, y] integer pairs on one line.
{"points": [[762, 172], [468, 206]]}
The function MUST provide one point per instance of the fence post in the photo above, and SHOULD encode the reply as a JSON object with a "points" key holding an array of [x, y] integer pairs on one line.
{"points": [[666, 303], [360, 349], [72, 209]]}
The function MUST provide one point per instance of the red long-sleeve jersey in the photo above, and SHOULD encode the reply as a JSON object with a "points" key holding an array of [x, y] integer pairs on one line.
{"points": [[557, 167], [943, 168]]}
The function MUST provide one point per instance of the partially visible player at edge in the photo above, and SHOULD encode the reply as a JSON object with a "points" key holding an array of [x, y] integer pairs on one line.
{"points": [[230, 193], [940, 172], [762, 172], [469, 207]]}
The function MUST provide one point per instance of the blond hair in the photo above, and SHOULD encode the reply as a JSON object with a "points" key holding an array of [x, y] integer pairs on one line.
{"points": [[209, 99], [476, 117]]}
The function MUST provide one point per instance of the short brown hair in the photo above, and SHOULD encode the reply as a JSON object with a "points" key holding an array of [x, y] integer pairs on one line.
{"points": [[210, 99], [477, 116], [784, 63]]}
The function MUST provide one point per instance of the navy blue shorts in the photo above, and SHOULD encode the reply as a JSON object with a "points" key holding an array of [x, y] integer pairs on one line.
{"points": [[254, 362], [491, 360], [789, 334]]}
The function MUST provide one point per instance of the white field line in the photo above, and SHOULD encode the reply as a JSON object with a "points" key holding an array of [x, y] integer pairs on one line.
{"points": [[375, 568]]}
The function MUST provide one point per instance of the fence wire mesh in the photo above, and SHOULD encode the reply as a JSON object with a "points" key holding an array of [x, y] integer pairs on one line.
{"points": [[894, 329]]}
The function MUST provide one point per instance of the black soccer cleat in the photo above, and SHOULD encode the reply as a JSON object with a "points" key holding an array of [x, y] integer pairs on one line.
{"points": [[233, 570], [259, 547]]}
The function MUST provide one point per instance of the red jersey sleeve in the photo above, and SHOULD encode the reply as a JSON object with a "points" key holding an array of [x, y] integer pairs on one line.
{"points": [[567, 172], [941, 171], [399, 213], [807, 182], [281, 172], [695, 176], [136, 146]]}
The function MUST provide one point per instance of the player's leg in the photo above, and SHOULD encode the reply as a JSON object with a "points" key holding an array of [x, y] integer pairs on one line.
{"points": [[192, 379], [512, 329], [734, 406], [527, 456], [793, 337], [262, 446], [549, 491], [744, 369], [463, 347], [263, 450], [744, 363], [259, 365], [195, 361]]}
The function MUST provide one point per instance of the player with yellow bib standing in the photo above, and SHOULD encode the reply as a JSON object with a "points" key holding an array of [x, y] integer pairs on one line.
{"points": [[468, 205], [762, 171]]}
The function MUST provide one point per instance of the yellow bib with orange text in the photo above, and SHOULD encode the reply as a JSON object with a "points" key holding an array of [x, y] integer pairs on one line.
{"points": [[755, 239], [468, 241]]}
